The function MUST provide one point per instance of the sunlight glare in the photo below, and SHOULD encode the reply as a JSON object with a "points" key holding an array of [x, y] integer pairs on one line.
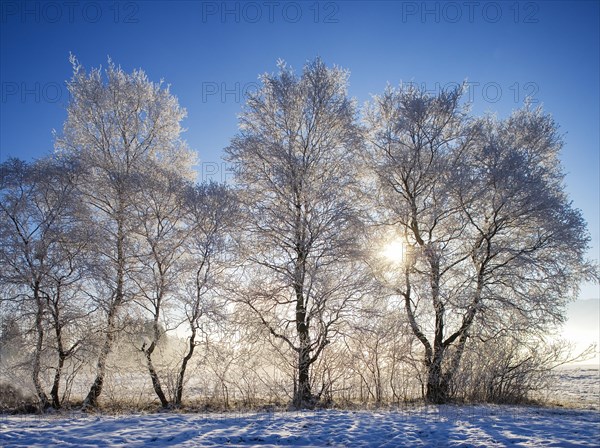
{"points": [[394, 251]]}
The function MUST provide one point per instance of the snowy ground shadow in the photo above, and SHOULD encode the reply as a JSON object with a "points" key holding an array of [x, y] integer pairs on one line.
{"points": [[428, 426]]}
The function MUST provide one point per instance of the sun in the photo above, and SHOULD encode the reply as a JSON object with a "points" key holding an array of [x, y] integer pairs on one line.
{"points": [[394, 251]]}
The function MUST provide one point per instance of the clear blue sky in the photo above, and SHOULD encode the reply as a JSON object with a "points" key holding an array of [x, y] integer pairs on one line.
{"points": [[210, 52]]}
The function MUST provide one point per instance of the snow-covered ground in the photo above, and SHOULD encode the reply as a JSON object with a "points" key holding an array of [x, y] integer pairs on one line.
{"points": [[426, 426], [577, 387]]}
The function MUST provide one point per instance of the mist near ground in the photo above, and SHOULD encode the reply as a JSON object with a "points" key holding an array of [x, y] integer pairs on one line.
{"points": [[583, 328]]}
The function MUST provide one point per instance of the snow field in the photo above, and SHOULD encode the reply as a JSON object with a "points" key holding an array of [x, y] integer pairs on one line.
{"points": [[424, 426]]}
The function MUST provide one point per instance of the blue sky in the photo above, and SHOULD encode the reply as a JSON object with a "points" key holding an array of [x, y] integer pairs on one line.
{"points": [[211, 52]]}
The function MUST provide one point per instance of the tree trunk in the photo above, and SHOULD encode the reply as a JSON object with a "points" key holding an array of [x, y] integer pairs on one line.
{"points": [[148, 352], [62, 355], [39, 325], [56, 384], [92, 397], [154, 377], [182, 369], [377, 377], [437, 387], [303, 396], [462, 335], [91, 400]]}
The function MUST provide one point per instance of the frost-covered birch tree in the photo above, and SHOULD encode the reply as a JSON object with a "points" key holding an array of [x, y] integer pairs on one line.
{"points": [[182, 232], [43, 260], [481, 208], [116, 122], [211, 214], [161, 230], [295, 176], [527, 243]]}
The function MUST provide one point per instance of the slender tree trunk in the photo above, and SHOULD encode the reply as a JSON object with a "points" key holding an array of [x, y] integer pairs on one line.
{"points": [[61, 362], [201, 277], [62, 354], [378, 382], [154, 377], [148, 353], [437, 388], [56, 384], [456, 358], [91, 400], [463, 332], [39, 325], [303, 396], [432, 359], [182, 369]]}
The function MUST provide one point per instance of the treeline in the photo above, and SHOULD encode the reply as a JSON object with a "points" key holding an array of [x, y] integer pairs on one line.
{"points": [[406, 250]]}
